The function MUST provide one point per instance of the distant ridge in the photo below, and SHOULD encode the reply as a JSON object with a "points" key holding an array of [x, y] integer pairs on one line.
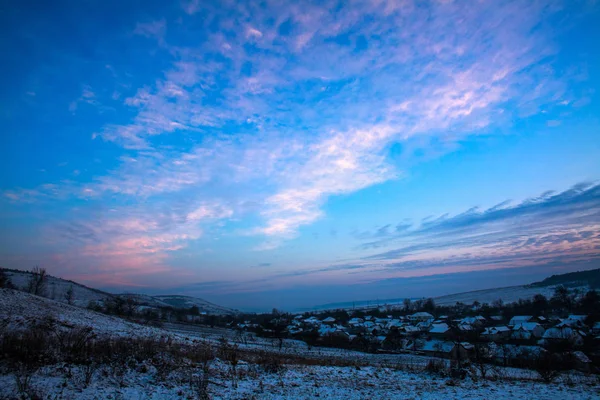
{"points": [[590, 278]]}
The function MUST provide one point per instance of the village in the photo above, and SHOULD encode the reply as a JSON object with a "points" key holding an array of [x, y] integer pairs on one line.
{"points": [[462, 333]]}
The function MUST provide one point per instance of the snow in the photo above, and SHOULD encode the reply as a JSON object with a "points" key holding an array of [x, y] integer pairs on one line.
{"points": [[323, 373], [57, 288], [439, 328], [301, 382], [83, 295], [507, 294], [188, 302]]}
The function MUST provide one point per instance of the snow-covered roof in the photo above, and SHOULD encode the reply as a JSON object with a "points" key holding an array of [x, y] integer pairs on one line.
{"points": [[421, 314], [562, 332], [526, 326], [439, 328], [394, 322], [520, 318], [329, 319], [581, 357], [324, 330], [496, 329], [410, 328], [578, 317], [571, 322]]}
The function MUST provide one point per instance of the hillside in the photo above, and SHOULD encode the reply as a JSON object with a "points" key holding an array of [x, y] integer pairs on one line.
{"points": [[187, 302], [19, 310], [589, 278], [581, 279], [506, 294], [57, 289]]}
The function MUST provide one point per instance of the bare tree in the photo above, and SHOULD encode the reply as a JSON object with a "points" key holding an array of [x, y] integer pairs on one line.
{"points": [[407, 304], [38, 281], [70, 295], [4, 280], [482, 358]]}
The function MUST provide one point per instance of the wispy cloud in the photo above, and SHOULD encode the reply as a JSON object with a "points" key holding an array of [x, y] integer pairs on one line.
{"points": [[263, 112], [551, 226]]}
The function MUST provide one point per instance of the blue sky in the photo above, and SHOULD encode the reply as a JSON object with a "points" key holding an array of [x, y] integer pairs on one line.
{"points": [[290, 154]]}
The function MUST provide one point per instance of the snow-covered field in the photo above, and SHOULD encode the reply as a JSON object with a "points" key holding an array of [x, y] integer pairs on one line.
{"points": [[292, 382], [300, 372]]}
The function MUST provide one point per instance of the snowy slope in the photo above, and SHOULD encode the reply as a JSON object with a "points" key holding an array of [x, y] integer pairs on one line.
{"points": [[507, 294], [57, 288], [20, 309], [187, 302]]}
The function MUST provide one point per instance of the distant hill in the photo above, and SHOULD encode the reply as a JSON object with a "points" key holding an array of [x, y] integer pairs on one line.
{"points": [[589, 278], [187, 302], [58, 287], [82, 295], [581, 279], [507, 294], [20, 310]]}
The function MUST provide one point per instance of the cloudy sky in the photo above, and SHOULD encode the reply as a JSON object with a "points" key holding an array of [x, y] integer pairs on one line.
{"points": [[289, 154]]}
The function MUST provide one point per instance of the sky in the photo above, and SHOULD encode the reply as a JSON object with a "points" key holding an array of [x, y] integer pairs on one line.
{"points": [[289, 154]]}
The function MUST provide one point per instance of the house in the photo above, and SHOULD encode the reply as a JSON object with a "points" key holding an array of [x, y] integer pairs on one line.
{"points": [[439, 329], [356, 321], [329, 320], [409, 330], [574, 321], [424, 326], [294, 330], [394, 323], [445, 349], [369, 324], [326, 330], [527, 330], [496, 333], [421, 317], [497, 318], [519, 319], [473, 321], [562, 334]]}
